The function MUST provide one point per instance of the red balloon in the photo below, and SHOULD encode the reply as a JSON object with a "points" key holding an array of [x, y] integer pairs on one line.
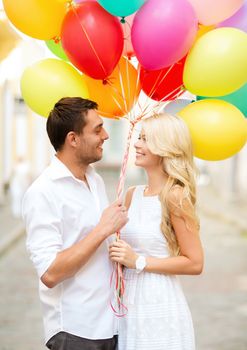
{"points": [[163, 84], [92, 39]]}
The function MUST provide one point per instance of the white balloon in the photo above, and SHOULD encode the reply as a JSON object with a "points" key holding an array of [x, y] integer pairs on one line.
{"points": [[175, 106]]}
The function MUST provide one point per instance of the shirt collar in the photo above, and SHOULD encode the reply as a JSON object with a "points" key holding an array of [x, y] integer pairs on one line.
{"points": [[58, 170]]}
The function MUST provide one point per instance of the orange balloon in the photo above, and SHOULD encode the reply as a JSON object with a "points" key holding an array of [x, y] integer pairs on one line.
{"points": [[117, 94]]}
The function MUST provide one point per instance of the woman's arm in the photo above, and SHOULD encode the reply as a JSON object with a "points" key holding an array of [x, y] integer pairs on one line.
{"points": [[190, 260]]}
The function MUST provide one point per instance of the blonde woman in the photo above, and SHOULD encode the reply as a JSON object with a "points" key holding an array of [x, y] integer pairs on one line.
{"points": [[161, 240]]}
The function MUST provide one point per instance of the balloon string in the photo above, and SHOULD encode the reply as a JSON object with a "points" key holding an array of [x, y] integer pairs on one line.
{"points": [[89, 40], [128, 81], [126, 37], [179, 93], [118, 268], [137, 84], [117, 97], [122, 88], [165, 75]]}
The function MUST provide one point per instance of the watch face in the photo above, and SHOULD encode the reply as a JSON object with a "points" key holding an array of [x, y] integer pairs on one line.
{"points": [[140, 263]]}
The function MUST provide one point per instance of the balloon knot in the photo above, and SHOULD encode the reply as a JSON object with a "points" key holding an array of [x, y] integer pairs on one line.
{"points": [[122, 20], [56, 39], [70, 4], [104, 82]]}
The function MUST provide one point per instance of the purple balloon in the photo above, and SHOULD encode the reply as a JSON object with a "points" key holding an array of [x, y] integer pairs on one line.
{"points": [[238, 20], [163, 31]]}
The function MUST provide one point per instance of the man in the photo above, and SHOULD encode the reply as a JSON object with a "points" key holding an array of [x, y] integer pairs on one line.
{"points": [[67, 230]]}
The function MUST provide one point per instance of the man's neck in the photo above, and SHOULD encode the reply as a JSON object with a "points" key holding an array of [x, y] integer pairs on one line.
{"points": [[77, 169]]}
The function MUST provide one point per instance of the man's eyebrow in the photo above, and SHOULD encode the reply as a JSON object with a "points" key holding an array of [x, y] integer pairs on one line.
{"points": [[98, 125]]}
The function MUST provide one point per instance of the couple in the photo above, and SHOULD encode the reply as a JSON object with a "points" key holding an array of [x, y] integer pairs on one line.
{"points": [[69, 224]]}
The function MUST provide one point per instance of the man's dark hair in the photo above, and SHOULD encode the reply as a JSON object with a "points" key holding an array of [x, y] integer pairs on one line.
{"points": [[68, 114]]}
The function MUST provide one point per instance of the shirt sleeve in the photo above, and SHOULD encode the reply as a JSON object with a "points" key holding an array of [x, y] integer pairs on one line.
{"points": [[43, 228]]}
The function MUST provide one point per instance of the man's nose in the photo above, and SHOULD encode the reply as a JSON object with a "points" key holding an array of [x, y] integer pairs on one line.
{"points": [[105, 135]]}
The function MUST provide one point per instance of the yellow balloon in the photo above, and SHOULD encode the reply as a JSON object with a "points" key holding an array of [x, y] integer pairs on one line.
{"points": [[217, 63], [40, 19], [203, 30], [218, 129], [8, 39], [45, 82], [116, 95]]}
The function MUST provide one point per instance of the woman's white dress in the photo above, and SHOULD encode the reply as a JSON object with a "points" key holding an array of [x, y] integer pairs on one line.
{"points": [[158, 316]]}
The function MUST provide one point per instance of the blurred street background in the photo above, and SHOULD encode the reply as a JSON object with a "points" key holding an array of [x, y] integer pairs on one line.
{"points": [[217, 298]]}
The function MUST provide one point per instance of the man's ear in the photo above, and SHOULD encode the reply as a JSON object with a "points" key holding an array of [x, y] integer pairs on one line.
{"points": [[72, 139]]}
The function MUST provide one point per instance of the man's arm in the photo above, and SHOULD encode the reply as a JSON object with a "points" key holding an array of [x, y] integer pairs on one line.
{"points": [[70, 260]]}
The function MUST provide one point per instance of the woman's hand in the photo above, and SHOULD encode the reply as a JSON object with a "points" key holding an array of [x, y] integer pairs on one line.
{"points": [[121, 252]]}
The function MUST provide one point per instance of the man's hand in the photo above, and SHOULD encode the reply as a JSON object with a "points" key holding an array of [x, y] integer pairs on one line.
{"points": [[113, 218]]}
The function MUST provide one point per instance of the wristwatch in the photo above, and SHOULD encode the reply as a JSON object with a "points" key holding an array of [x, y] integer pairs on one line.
{"points": [[140, 263]]}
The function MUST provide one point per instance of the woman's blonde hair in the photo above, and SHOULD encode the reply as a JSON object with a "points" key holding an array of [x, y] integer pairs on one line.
{"points": [[168, 136]]}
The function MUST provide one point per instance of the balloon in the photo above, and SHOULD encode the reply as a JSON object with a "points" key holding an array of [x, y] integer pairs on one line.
{"points": [[176, 106], [92, 39], [56, 49], [117, 94], [163, 32], [121, 8], [238, 20], [203, 30], [217, 63], [40, 19], [45, 82], [164, 84], [79, 1], [8, 39], [128, 50], [211, 11], [237, 98], [218, 129]]}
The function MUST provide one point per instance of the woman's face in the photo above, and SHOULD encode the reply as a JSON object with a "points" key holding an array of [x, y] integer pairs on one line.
{"points": [[144, 158]]}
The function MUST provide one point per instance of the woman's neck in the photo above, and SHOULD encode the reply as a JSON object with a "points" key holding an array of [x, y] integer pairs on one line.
{"points": [[156, 181]]}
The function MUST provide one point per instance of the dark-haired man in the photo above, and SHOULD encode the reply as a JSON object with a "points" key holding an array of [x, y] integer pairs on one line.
{"points": [[68, 223]]}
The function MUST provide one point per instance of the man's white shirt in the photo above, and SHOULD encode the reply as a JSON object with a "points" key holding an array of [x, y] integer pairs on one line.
{"points": [[60, 210]]}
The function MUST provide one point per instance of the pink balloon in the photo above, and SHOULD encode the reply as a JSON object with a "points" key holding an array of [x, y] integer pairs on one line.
{"points": [[128, 50], [214, 11], [239, 20], [163, 32]]}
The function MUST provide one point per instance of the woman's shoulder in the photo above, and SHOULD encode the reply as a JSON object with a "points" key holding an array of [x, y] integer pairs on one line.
{"points": [[130, 193]]}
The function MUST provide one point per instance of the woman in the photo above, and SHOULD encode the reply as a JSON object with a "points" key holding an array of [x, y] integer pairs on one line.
{"points": [[161, 240]]}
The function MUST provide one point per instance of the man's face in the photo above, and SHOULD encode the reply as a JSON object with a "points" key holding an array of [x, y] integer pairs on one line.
{"points": [[90, 145]]}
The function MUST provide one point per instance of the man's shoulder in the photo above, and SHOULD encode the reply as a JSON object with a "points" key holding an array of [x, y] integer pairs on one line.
{"points": [[42, 184]]}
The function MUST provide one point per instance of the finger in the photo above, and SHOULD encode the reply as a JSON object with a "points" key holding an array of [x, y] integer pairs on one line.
{"points": [[118, 202], [116, 244], [116, 255], [122, 243], [117, 260], [115, 249]]}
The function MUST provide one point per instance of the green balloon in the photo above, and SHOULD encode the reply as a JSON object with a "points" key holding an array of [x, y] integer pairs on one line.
{"points": [[237, 98], [56, 49], [121, 8]]}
